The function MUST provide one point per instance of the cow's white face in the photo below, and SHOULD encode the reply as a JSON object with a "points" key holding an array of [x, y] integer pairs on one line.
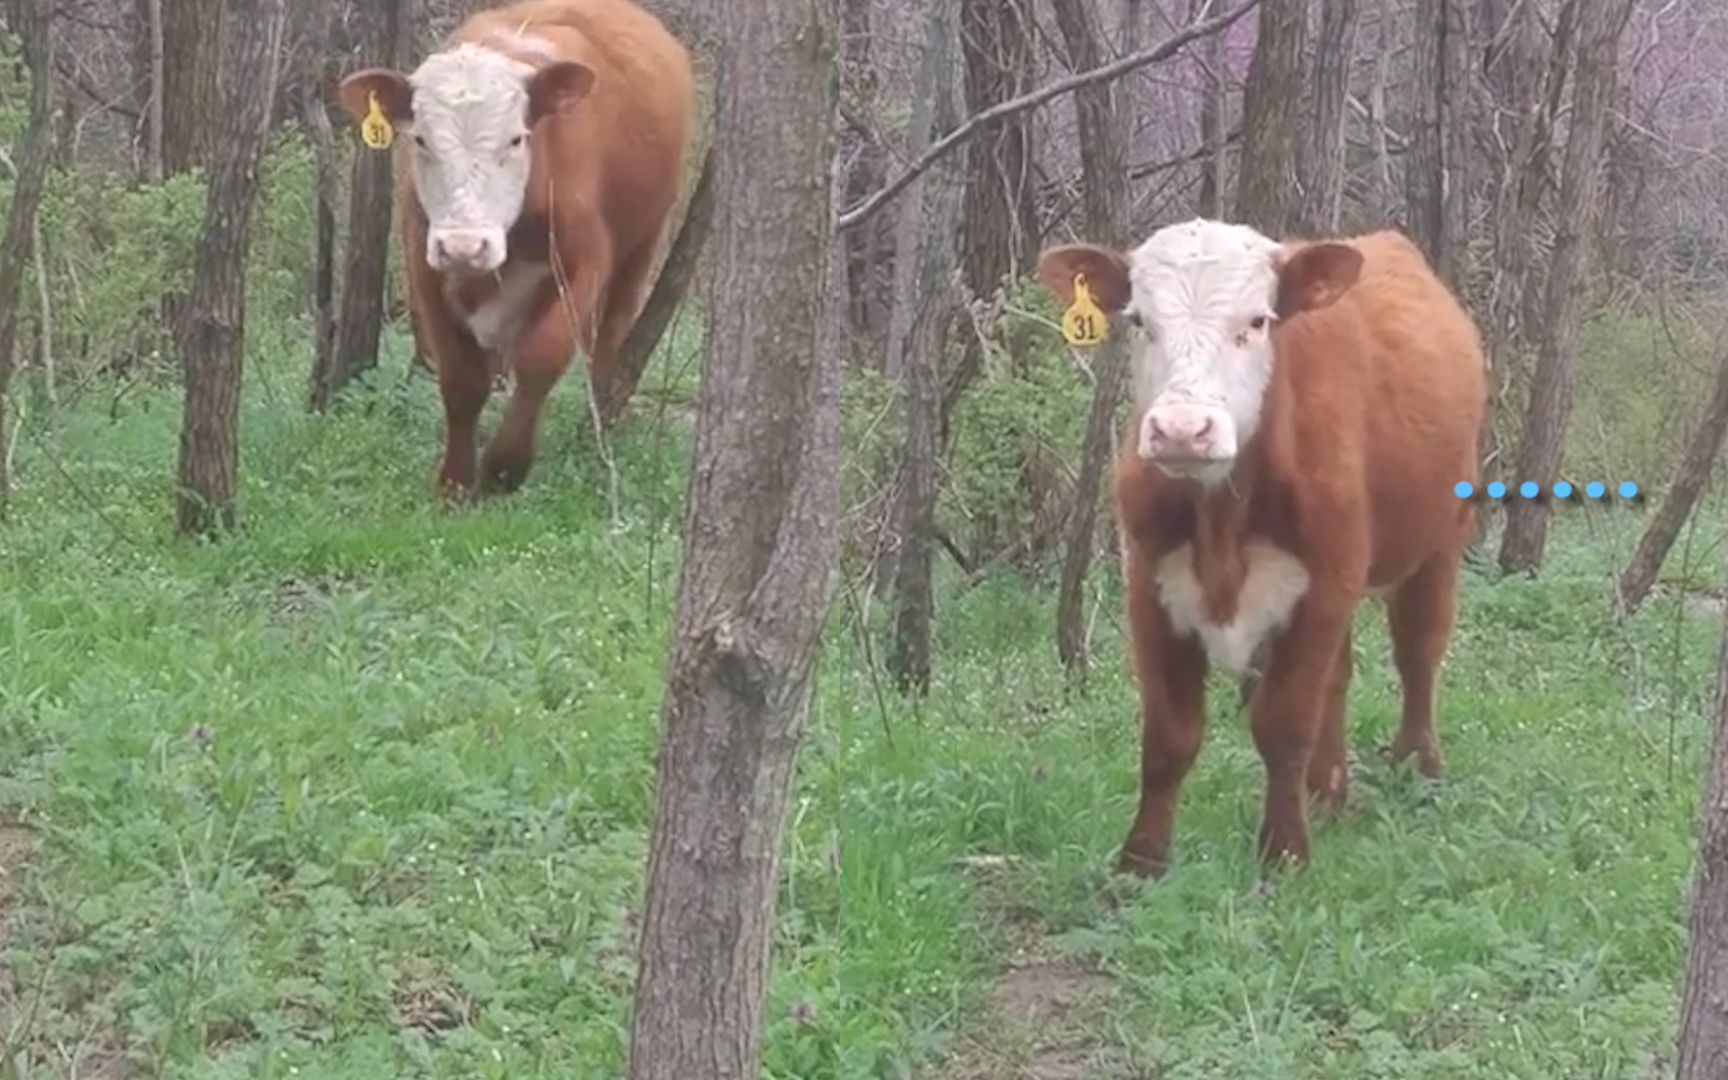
{"points": [[468, 113], [1201, 299]]}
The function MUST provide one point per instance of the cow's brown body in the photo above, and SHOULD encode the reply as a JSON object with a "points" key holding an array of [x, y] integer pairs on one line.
{"points": [[603, 185], [1371, 418]]}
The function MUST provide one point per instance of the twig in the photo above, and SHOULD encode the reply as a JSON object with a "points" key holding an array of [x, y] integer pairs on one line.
{"points": [[862, 211]]}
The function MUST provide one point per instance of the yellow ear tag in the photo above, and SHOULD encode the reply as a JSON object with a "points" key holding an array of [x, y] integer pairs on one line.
{"points": [[1083, 323], [375, 128]]}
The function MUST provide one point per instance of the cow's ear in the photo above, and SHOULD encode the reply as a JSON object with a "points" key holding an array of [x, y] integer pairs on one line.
{"points": [[557, 86], [395, 97], [1106, 273], [1314, 276]]}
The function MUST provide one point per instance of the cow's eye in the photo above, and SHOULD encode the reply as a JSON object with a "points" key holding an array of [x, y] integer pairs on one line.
{"points": [[420, 141], [1258, 322], [1135, 320], [517, 141]]}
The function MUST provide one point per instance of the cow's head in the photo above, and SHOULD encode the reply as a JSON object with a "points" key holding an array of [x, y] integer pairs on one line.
{"points": [[469, 112], [1201, 299]]}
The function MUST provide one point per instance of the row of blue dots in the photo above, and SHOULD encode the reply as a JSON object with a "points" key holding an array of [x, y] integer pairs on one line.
{"points": [[1530, 489]]}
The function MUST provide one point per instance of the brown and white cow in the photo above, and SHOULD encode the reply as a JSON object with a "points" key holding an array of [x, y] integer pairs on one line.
{"points": [[544, 149], [1303, 411]]}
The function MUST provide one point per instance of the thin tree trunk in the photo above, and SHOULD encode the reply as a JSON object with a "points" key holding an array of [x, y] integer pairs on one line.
{"points": [[1456, 98], [1690, 477], [214, 332], [360, 314], [33, 20], [1550, 405], [1214, 103], [1272, 118], [1322, 161], [153, 161], [913, 512], [912, 302], [762, 539], [670, 287], [1104, 132], [866, 170], [315, 115], [1703, 1035], [1377, 118]]}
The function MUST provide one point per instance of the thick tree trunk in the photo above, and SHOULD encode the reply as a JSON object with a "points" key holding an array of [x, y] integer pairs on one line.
{"points": [[360, 314], [670, 287], [1104, 133], [998, 227], [1322, 161], [1703, 1035], [1435, 181], [761, 540], [189, 114], [32, 19], [1272, 119], [1550, 405], [1424, 169], [213, 335], [1690, 476]]}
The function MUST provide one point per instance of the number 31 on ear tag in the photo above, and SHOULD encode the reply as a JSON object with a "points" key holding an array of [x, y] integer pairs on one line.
{"points": [[1083, 323], [375, 127]]}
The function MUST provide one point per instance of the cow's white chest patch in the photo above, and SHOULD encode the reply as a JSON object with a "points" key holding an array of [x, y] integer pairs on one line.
{"points": [[497, 320], [1274, 582]]}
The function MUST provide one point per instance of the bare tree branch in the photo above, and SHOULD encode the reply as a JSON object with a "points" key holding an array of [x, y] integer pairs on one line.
{"points": [[861, 212]]}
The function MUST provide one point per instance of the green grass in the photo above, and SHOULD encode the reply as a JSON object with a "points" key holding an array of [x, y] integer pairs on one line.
{"points": [[363, 790], [1524, 918]]}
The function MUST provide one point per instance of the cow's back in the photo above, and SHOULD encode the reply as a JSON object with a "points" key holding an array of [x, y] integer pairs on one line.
{"points": [[1424, 397], [621, 149]]}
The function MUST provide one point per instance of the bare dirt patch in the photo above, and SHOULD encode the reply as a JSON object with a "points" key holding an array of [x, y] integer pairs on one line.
{"points": [[1043, 1007]]}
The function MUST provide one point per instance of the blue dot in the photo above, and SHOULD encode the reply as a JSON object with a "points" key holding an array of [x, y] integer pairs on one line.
{"points": [[1628, 489], [1562, 490], [1528, 489], [1464, 489], [1595, 489], [1496, 490]]}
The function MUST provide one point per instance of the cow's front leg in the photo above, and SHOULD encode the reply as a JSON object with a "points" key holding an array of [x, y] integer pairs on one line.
{"points": [[1171, 671], [1286, 717], [538, 359], [465, 384]]}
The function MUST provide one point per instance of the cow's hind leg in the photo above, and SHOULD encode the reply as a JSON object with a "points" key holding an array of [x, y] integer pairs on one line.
{"points": [[1420, 613], [630, 286]]}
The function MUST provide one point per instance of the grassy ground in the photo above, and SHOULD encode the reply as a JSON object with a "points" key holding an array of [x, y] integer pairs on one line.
{"points": [[1524, 918], [362, 791]]}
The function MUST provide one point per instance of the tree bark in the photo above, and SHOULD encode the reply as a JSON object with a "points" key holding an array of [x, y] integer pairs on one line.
{"points": [[670, 287], [1104, 132], [1272, 119], [1703, 1035], [321, 135], [1322, 160], [928, 316], [1425, 167], [866, 168], [32, 20], [213, 333], [998, 226], [1690, 476], [360, 314], [190, 55], [1214, 105], [761, 542], [1601, 23]]}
